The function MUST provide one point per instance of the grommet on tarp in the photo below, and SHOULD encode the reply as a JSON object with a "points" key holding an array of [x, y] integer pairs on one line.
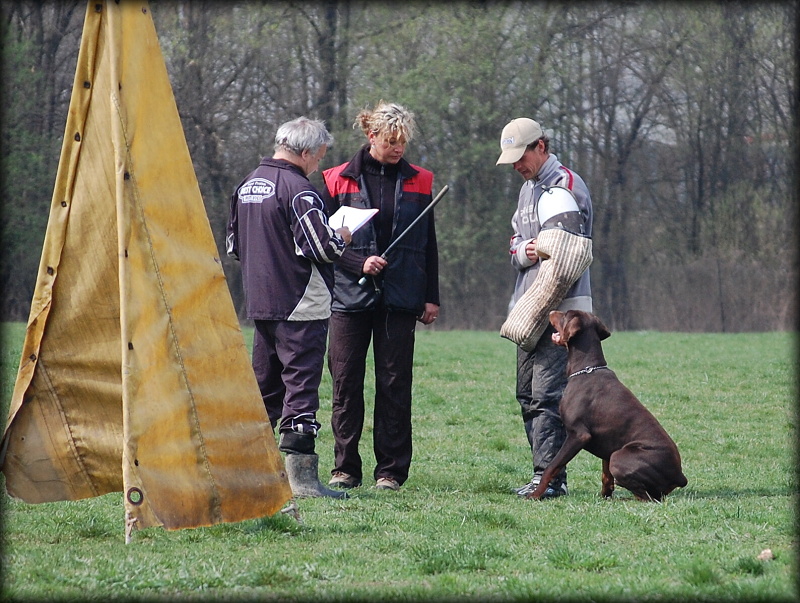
{"points": [[135, 496]]}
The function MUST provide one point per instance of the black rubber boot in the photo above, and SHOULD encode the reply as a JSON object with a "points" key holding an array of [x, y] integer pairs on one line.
{"points": [[302, 467], [303, 471]]}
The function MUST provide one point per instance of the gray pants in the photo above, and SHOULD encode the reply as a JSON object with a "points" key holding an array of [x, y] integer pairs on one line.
{"points": [[541, 379]]}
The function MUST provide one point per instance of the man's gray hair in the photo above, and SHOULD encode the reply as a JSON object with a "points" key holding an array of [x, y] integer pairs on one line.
{"points": [[302, 134]]}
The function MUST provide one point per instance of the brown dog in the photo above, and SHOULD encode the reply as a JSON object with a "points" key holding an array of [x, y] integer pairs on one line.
{"points": [[602, 416]]}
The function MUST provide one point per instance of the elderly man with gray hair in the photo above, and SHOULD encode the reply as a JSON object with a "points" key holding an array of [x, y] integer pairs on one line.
{"points": [[278, 229]]}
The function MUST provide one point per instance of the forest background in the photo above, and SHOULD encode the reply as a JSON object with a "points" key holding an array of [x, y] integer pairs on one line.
{"points": [[681, 118]]}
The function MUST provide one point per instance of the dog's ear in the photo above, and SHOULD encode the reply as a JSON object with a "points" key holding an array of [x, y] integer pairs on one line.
{"points": [[602, 330], [572, 326]]}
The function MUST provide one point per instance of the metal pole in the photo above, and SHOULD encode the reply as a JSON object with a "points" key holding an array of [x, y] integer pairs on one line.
{"points": [[425, 211]]}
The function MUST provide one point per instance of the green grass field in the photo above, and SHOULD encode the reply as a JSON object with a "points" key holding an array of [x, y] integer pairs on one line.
{"points": [[455, 532]]}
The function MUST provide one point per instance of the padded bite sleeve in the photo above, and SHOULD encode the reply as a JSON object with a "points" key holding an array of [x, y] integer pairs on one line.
{"points": [[565, 256]]}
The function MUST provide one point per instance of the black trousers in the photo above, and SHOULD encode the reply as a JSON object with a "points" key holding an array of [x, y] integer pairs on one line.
{"points": [[392, 337], [288, 358], [541, 379]]}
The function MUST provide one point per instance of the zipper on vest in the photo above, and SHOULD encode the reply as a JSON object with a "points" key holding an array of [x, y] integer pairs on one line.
{"points": [[380, 183]]}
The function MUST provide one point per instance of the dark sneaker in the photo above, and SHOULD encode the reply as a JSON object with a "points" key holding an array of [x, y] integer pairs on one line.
{"points": [[555, 492], [551, 492], [523, 491], [387, 483], [344, 480]]}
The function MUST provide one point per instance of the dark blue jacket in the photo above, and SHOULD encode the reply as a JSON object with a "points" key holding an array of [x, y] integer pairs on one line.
{"points": [[278, 229]]}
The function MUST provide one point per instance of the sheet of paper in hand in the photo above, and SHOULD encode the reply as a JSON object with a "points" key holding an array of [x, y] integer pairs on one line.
{"points": [[352, 217]]}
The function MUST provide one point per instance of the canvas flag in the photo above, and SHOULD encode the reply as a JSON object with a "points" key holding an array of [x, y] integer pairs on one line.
{"points": [[135, 376]]}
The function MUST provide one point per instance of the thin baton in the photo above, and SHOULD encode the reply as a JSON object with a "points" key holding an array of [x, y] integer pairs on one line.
{"points": [[436, 200]]}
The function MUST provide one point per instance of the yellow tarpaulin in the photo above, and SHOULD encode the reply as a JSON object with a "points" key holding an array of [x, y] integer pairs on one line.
{"points": [[134, 374]]}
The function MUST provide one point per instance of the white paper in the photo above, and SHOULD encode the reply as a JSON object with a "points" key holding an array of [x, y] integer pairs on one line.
{"points": [[352, 217]]}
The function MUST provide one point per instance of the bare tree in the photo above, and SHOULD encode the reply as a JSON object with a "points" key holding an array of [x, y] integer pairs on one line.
{"points": [[39, 47], [681, 118]]}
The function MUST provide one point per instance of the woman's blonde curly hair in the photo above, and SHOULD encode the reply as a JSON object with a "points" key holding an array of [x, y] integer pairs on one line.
{"points": [[389, 119]]}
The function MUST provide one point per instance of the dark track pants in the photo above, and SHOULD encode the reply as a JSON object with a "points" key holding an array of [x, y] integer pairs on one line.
{"points": [[541, 379], [288, 357], [392, 336]]}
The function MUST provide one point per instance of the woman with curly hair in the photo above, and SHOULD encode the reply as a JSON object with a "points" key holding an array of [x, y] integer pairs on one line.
{"points": [[399, 291]]}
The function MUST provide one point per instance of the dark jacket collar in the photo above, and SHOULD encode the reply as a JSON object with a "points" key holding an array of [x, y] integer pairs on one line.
{"points": [[356, 165], [283, 164]]}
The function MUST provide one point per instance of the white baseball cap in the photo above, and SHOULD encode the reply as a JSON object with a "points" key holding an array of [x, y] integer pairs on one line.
{"points": [[516, 136]]}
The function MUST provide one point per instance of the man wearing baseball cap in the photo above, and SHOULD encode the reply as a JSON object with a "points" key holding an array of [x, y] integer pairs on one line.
{"points": [[516, 137], [541, 372]]}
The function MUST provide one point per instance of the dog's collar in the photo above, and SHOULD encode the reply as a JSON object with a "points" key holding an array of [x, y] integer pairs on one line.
{"points": [[587, 370]]}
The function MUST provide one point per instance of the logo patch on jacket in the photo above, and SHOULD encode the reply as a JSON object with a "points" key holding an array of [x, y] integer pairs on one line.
{"points": [[256, 190]]}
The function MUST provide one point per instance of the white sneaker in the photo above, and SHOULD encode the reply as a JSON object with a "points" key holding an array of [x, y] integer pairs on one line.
{"points": [[523, 491]]}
